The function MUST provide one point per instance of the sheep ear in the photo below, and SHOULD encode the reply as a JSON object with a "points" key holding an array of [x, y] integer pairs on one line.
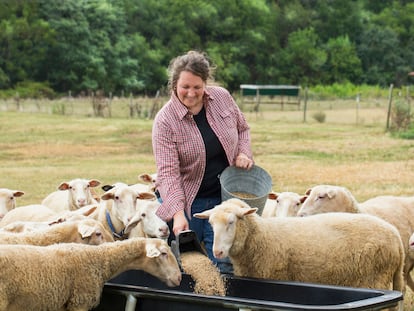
{"points": [[133, 223], [204, 215], [85, 231], [86, 210], [331, 193], [308, 192], [152, 251], [146, 196], [106, 187], [272, 196], [18, 193], [145, 178], [248, 211], [94, 183], [64, 186], [107, 196]]}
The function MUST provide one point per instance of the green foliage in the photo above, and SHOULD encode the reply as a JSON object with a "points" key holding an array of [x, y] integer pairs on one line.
{"points": [[346, 90], [302, 56], [408, 134], [125, 45], [29, 89], [400, 116], [343, 63]]}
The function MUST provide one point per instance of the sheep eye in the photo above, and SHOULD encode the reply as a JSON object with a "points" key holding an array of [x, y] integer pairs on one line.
{"points": [[116, 197], [143, 215], [277, 201]]}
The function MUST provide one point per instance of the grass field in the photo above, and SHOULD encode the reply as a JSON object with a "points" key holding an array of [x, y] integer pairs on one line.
{"points": [[38, 150]]}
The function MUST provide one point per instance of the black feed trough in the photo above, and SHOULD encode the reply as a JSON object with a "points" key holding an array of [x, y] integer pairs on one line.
{"points": [[137, 290]]}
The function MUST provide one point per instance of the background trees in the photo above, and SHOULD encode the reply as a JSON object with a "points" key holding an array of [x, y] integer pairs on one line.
{"points": [[126, 45]]}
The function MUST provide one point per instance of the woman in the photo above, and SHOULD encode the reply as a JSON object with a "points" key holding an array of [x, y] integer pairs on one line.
{"points": [[196, 135]]}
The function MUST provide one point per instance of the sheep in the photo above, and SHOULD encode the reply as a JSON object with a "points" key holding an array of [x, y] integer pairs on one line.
{"points": [[71, 276], [41, 213], [8, 200], [86, 231], [283, 204], [149, 179], [118, 207], [343, 249], [398, 211], [72, 195], [149, 224], [411, 246], [140, 187]]}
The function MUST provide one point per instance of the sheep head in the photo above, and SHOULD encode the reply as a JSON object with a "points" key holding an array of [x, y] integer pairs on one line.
{"points": [[223, 219]]}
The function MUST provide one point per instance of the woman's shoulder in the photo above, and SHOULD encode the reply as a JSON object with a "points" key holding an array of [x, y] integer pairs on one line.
{"points": [[216, 89]]}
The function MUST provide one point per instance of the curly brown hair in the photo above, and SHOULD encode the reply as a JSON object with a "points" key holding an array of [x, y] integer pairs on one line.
{"points": [[195, 62]]}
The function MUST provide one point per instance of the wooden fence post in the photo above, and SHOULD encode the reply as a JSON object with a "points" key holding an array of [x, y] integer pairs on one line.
{"points": [[389, 106], [305, 104]]}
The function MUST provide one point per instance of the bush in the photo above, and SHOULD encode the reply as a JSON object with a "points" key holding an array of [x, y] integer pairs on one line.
{"points": [[400, 115], [29, 89], [319, 116]]}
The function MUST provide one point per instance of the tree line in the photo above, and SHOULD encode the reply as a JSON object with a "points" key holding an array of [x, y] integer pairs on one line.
{"points": [[126, 45]]}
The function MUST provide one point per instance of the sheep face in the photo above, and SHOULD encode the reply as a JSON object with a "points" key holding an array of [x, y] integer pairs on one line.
{"points": [[124, 202], [79, 191], [160, 262], [326, 199], [8, 200], [92, 232], [287, 203], [223, 219], [152, 226]]}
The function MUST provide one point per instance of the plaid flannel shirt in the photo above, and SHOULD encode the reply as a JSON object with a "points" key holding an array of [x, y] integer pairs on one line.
{"points": [[179, 149]]}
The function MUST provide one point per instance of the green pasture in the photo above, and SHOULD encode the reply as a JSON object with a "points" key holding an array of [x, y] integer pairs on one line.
{"points": [[40, 149]]}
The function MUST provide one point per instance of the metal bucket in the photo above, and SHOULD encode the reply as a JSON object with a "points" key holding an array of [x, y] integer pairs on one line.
{"points": [[256, 183]]}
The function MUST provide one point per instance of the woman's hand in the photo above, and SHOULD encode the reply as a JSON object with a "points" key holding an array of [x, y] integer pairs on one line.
{"points": [[180, 223], [243, 161]]}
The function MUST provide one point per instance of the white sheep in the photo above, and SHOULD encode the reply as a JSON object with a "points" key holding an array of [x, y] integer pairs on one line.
{"points": [[118, 208], [282, 204], [8, 200], [411, 246], [140, 187], [343, 249], [72, 195], [71, 276], [85, 231], [149, 225], [398, 211], [148, 179], [41, 213]]}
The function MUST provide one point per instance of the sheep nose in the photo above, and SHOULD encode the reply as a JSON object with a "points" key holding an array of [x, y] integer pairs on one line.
{"points": [[81, 202], [164, 230], [218, 254]]}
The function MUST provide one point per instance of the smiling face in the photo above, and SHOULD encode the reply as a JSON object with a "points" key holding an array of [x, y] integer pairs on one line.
{"points": [[190, 91]]}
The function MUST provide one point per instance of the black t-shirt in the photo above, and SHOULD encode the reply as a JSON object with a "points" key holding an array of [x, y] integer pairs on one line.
{"points": [[216, 160]]}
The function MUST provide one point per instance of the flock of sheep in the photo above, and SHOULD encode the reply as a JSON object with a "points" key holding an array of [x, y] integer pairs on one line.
{"points": [[324, 236], [336, 201], [58, 254]]}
